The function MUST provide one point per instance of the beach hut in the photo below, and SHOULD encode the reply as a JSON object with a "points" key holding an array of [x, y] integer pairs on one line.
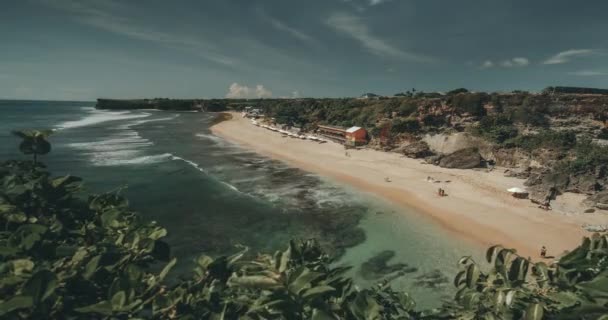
{"points": [[334, 133], [518, 193], [356, 136]]}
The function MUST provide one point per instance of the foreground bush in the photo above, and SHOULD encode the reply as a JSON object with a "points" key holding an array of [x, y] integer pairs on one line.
{"points": [[67, 255]]}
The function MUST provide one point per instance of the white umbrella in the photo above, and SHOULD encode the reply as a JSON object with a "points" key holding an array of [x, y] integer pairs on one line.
{"points": [[517, 190]]}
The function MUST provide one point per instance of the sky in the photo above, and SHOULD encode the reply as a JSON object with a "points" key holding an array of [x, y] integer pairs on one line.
{"points": [[82, 50]]}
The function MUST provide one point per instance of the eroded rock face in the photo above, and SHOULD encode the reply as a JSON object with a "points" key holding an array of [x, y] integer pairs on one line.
{"points": [[541, 194], [598, 200], [378, 267], [583, 183], [545, 185], [462, 159], [416, 150], [433, 159]]}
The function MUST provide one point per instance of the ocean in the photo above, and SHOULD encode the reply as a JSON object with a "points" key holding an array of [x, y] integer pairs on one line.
{"points": [[212, 195]]}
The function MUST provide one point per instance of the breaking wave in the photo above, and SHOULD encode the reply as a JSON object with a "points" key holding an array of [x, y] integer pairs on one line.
{"points": [[99, 116]]}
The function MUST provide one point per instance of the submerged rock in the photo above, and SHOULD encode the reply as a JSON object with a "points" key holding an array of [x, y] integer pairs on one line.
{"points": [[377, 266], [434, 279], [462, 159]]}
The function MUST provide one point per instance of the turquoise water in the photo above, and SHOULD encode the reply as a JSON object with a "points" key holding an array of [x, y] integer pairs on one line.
{"points": [[212, 195]]}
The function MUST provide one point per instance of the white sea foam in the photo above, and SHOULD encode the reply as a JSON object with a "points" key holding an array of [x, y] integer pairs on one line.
{"points": [[229, 186], [128, 157], [211, 137], [124, 148], [138, 122], [99, 116], [192, 163]]}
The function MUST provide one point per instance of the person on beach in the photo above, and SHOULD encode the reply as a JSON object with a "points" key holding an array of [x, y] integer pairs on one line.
{"points": [[543, 252]]}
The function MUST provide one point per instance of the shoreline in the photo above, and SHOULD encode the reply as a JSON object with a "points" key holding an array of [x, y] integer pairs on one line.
{"points": [[477, 208]]}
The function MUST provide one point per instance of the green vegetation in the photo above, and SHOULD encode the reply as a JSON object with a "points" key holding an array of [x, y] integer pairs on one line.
{"points": [[546, 139], [577, 90], [34, 142], [407, 125], [588, 156], [67, 255], [471, 103], [497, 129]]}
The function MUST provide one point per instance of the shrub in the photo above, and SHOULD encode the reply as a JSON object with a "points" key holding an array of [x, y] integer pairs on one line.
{"points": [[457, 91], [471, 103], [588, 156], [407, 107], [405, 125], [547, 139], [497, 129]]}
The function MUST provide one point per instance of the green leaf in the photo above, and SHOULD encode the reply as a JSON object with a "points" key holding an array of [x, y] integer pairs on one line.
{"points": [[318, 314], [22, 266], [510, 297], [284, 260], [465, 260], [492, 252], [158, 233], [534, 312], [118, 300], [91, 267], [363, 307], [15, 303], [103, 308], [235, 257], [41, 285], [519, 269], [166, 269], [596, 288], [473, 274], [302, 280], [27, 236], [459, 278], [109, 218], [253, 282], [315, 292]]}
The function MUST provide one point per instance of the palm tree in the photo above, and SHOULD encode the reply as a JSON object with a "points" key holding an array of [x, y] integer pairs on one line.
{"points": [[34, 142]]}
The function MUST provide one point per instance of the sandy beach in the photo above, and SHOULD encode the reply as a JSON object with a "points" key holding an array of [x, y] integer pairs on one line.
{"points": [[478, 208]]}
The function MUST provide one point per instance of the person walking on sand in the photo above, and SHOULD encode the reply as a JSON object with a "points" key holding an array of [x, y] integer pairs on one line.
{"points": [[543, 252]]}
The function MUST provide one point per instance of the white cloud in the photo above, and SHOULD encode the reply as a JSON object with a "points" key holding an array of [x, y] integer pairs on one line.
{"points": [[237, 91], [566, 56], [377, 2], [588, 73], [295, 94], [509, 63], [354, 27], [515, 62], [294, 32], [105, 15], [487, 64]]}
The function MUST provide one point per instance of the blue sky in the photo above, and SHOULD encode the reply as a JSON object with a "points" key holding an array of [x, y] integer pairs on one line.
{"points": [[68, 49]]}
